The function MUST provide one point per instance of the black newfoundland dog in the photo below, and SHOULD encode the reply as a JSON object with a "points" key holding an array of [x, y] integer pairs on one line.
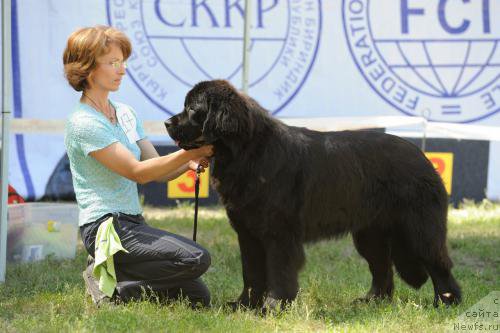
{"points": [[283, 186]]}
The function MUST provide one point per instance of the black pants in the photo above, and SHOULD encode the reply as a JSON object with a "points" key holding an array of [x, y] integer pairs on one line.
{"points": [[158, 262]]}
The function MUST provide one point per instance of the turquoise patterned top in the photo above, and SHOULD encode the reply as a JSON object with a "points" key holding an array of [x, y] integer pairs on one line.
{"points": [[99, 190]]}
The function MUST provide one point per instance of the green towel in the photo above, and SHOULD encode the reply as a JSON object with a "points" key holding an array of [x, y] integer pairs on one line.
{"points": [[107, 243]]}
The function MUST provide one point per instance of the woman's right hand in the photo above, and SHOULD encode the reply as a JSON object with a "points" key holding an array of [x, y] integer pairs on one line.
{"points": [[204, 151]]}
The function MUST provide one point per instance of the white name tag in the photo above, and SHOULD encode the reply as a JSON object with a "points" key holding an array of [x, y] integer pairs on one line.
{"points": [[128, 123]]}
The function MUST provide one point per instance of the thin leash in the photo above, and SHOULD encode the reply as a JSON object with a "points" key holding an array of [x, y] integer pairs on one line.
{"points": [[196, 197]]}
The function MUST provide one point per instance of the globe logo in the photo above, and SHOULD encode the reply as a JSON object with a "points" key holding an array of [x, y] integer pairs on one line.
{"points": [[440, 59], [179, 43]]}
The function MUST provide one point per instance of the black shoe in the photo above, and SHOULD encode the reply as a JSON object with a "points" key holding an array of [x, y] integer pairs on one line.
{"points": [[92, 287]]}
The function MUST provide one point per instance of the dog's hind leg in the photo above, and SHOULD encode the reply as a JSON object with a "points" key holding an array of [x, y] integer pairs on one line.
{"points": [[429, 244], [253, 261], [438, 264], [373, 244], [446, 287]]}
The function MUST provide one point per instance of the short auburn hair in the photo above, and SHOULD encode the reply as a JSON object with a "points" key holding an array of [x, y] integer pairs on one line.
{"points": [[84, 46]]}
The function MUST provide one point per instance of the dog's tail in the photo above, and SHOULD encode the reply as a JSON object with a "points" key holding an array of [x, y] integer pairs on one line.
{"points": [[409, 267]]}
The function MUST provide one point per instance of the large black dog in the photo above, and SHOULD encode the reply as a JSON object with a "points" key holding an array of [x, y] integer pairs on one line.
{"points": [[283, 186]]}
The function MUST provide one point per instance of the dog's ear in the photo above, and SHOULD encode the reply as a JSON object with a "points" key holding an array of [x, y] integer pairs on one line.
{"points": [[228, 116]]}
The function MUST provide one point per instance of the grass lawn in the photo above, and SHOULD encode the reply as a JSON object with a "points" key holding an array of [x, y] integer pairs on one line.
{"points": [[49, 296]]}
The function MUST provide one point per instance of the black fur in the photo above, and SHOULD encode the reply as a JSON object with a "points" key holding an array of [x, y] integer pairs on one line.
{"points": [[283, 186]]}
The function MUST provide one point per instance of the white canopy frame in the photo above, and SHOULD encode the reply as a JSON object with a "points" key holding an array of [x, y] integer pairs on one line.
{"points": [[6, 113]]}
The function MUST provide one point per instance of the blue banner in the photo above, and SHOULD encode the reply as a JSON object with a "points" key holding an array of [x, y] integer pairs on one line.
{"points": [[309, 58]]}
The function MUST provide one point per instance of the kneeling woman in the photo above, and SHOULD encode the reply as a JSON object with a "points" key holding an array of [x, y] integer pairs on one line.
{"points": [[109, 154]]}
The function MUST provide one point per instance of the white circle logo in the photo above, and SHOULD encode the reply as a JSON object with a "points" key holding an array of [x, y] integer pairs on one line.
{"points": [[179, 43], [441, 57]]}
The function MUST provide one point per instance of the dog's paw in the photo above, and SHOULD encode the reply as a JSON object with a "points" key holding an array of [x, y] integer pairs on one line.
{"points": [[447, 299], [273, 305]]}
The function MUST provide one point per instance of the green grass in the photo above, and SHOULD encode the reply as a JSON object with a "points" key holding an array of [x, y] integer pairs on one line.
{"points": [[49, 296]]}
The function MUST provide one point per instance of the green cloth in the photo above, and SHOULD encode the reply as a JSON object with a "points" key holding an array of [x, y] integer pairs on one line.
{"points": [[107, 243]]}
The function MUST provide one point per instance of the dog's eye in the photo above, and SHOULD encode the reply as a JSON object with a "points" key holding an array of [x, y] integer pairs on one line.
{"points": [[194, 116], [190, 113]]}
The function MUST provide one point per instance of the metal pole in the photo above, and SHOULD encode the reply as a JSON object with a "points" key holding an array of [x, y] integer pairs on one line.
{"points": [[426, 114], [246, 46], [6, 111]]}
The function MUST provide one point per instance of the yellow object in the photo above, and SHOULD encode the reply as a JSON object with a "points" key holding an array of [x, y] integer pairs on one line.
{"points": [[53, 226], [183, 186], [443, 162]]}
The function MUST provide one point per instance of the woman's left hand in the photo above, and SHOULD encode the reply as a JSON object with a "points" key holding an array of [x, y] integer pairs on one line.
{"points": [[193, 164]]}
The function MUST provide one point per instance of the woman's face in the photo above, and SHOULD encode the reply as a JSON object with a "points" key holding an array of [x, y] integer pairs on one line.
{"points": [[109, 71]]}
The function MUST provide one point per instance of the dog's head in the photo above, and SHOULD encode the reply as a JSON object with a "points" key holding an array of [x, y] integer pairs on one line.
{"points": [[213, 111]]}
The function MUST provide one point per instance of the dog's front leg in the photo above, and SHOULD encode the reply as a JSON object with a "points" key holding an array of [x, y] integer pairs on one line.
{"points": [[253, 261], [285, 256]]}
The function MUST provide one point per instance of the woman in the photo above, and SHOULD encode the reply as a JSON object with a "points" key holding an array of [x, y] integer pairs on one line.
{"points": [[109, 154]]}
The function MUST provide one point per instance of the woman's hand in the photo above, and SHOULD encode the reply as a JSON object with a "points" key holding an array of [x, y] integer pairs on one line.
{"points": [[202, 161], [204, 151]]}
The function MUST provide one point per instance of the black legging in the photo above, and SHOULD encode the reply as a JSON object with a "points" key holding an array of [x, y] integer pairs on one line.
{"points": [[158, 261]]}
